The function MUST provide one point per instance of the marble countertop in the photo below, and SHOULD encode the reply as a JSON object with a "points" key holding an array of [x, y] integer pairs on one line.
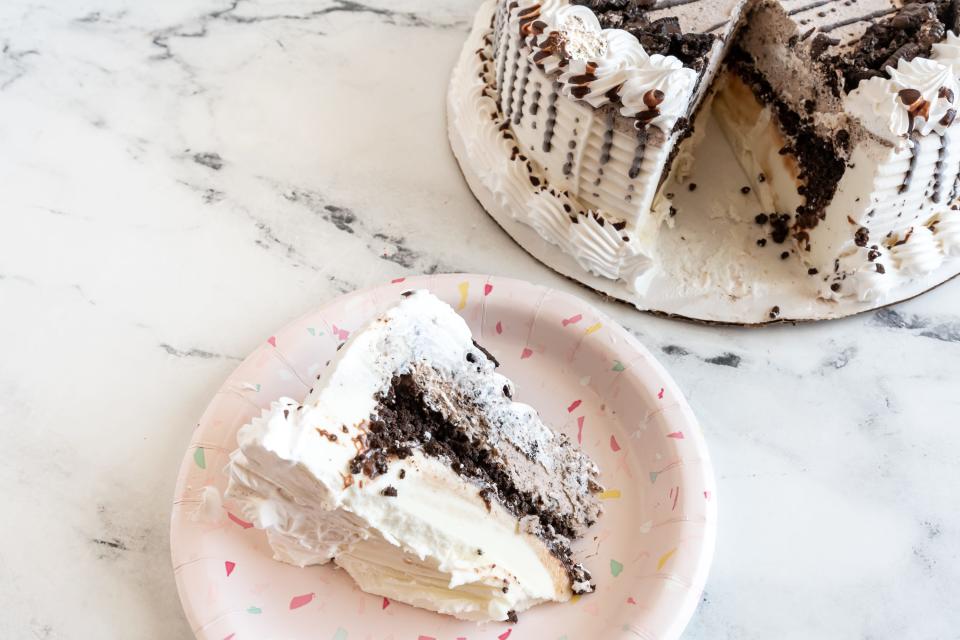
{"points": [[180, 178]]}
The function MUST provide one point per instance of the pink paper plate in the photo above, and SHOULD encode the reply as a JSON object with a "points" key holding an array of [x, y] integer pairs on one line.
{"points": [[649, 553]]}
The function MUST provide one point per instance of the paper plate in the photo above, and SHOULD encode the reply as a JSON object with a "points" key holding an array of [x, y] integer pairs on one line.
{"points": [[649, 552], [714, 228]]}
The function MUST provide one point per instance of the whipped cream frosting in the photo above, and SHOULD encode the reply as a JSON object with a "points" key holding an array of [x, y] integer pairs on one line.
{"points": [[876, 104], [864, 274], [596, 245], [600, 249], [947, 233], [920, 96], [596, 63], [433, 542], [937, 85], [918, 252], [871, 280]]}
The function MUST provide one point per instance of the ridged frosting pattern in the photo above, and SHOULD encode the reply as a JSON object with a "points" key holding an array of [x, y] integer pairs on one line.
{"points": [[520, 184]]}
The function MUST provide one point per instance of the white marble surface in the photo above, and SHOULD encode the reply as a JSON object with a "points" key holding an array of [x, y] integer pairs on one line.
{"points": [[180, 178]]}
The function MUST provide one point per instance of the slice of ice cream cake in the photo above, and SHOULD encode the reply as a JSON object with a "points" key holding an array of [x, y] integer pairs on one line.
{"points": [[410, 466]]}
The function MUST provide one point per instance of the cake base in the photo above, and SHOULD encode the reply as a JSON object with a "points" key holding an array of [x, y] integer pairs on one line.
{"points": [[711, 268]]}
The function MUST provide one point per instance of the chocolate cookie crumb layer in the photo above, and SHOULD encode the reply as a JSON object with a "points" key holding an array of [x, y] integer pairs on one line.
{"points": [[403, 422]]}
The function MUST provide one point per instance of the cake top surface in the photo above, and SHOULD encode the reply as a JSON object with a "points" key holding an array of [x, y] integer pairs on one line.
{"points": [[691, 16], [646, 57], [635, 68], [866, 49], [684, 29]]}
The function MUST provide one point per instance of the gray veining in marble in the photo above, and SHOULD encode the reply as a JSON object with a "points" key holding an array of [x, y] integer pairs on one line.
{"points": [[180, 178]]}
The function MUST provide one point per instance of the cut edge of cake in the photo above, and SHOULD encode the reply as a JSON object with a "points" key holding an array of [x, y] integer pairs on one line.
{"points": [[868, 182]]}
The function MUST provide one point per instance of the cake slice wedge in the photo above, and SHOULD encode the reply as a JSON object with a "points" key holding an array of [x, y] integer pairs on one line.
{"points": [[410, 466]]}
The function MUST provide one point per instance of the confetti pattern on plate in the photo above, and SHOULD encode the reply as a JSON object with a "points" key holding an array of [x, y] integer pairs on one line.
{"points": [[588, 377]]}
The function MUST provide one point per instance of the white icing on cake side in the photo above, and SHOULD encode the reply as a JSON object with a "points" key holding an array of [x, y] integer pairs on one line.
{"points": [[563, 206]]}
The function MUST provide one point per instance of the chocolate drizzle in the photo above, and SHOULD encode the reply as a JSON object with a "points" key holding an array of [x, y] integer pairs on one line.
{"points": [[607, 138], [638, 153], [867, 17], [518, 114], [914, 159], [807, 7], [498, 28], [553, 45], [509, 88], [540, 56], [529, 21], [551, 118], [940, 172]]}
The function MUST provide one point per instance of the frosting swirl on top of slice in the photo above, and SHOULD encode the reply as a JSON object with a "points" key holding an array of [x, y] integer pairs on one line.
{"points": [[936, 85], [921, 96], [878, 108], [917, 253], [598, 80], [605, 66]]}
